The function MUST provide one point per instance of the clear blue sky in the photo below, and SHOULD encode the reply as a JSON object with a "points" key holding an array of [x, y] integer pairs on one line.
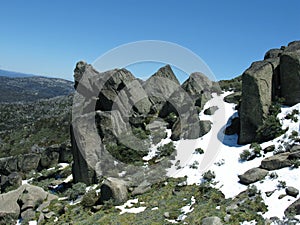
{"points": [[49, 37]]}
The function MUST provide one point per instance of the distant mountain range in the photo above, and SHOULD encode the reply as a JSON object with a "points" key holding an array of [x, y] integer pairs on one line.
{"points": [[6, 73], [21, 87]]}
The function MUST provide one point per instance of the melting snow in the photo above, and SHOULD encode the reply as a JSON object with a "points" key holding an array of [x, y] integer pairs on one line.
{"points": [[222, 156], [126, 207]]}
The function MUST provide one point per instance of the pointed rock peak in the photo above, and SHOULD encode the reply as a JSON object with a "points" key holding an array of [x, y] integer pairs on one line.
{"points": [[82, 68], [293, 46], [166, 72], [197, 79], [200, 76]]}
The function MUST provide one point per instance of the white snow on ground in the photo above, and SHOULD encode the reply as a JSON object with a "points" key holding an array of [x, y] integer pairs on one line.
{"points": [[63, 166], [26, 181], [153, 148], [33, 222], [69, 179], [252, 222], [222, 156], [127, 207]]}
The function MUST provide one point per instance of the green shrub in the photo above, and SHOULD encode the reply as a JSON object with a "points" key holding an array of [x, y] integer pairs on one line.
{"points": [[140, 133], [171, 118], [271, 127], [199, 151], [281, 184], [245, 155], [294, 135], [292, 116], [296, 164], [273, 175], [125, 154], [194, 165], [256, 149], [233, 84], [166, 150], [89, 199], [209, 175], [252, 190], [77, 190]]}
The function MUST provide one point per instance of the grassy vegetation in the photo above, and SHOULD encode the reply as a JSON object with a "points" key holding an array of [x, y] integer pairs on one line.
{"points": [[271, 128], [233, 84], [169, 197], [41, 124]]}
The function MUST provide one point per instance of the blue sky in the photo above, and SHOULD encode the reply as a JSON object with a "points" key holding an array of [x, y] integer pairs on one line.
{"points": [[49, 37]]}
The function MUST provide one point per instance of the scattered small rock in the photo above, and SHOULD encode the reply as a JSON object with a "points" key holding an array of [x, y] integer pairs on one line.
{"points": [[291, 191], [276, 162], [252, 175], [269, 193], [281, 196], [211, 110], [214, 220], [270, 148]]}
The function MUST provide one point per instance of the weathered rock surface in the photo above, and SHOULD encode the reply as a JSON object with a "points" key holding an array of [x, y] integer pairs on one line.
{"points": [[277, 76], [233, 98], [211, 110], [276, 162], [290, 77], [214, 220], [21, 163], [256, 98], [273, 53], [84, 152], [160, 86], [115, 189], [293, 209], [253, 175], [10, 182], [192, 129], [21, 200], [199, 87], [112, 103], [49, 158], [295, 148], [292, 191]]}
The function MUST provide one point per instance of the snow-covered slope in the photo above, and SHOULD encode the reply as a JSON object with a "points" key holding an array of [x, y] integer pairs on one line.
{"points": [[222, 157]]}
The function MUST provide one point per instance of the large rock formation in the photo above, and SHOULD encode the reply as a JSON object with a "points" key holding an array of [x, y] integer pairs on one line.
{"points": [[278, 75], [111, 107], [22, 202], [290, 76], [256, 97]]}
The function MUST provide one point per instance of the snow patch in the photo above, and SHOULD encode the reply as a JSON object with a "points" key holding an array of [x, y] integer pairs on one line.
{"points": [[127, 207]]}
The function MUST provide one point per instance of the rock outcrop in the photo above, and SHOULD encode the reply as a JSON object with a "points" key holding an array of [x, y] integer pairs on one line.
{"points": [[21, 203], [252, 175], [277, 76], [291, 191], [112, 106], [293, 209], [214, 220], [114, 189], [290, 76], [43, 159], [256, 98], [276, 162]]}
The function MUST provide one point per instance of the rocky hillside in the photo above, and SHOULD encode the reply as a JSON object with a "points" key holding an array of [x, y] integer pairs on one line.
{"points": [[28, 127], [28, 89], [157, 151], [276, 79]]}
